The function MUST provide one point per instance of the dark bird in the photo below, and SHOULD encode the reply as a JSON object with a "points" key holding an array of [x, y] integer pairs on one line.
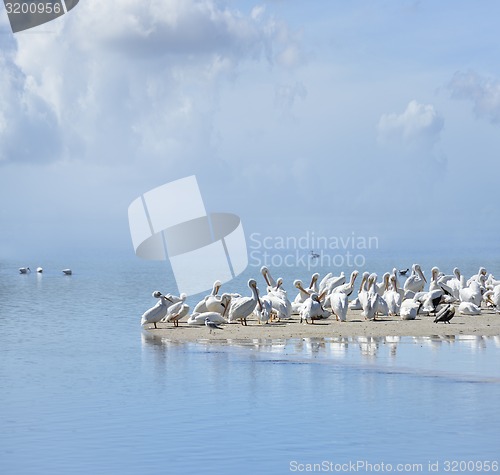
{"points": [[404, 272], [445, 314], [212, 325]]}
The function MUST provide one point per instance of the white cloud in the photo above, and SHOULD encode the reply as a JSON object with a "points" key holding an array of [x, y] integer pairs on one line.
{"points": [[126, 80], [419, 125], [483, 92]]}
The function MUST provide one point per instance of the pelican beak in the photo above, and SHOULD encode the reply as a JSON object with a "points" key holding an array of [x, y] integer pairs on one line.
{"points": [[266, 278]]}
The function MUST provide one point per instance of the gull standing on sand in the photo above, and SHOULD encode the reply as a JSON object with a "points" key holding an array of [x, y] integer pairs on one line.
{"points": [[212, 325]]}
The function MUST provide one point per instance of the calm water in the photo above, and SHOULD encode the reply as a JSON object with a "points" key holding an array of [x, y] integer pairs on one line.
{"points": [[83, 390]]}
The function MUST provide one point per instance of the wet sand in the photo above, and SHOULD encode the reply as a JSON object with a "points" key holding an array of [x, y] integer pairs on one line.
{"points": [[486, 324]]}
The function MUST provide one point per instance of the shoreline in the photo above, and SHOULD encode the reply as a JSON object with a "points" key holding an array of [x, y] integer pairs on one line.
{"points": [[486, 324]]}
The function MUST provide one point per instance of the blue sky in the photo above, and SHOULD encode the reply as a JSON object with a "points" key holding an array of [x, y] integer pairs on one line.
{"points": [[381, 118]]}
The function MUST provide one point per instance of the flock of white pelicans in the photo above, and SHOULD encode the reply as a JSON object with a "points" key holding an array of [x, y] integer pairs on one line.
{"points": [[329, 297]]}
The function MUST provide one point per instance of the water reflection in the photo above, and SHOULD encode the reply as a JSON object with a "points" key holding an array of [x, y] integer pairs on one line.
{"points": [[436, 355]]}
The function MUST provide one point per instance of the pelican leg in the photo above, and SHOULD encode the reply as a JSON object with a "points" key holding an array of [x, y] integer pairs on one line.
{"points": [[155, 324]]}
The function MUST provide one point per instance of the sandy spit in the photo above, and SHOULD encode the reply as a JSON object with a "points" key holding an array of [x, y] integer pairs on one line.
{"points": [[486, 324]]}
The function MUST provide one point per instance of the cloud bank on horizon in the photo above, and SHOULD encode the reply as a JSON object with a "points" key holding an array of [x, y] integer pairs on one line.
{"points": [[338, 119]]}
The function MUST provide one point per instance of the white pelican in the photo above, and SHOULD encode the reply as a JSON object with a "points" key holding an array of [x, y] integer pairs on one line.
{"points": [[409, 309], [393, 297], [67, 271], [493, 297], [264, 311], [301, 297], [395, 274], [339, 302], [349, 287], [416, 282], [313, 285], [455, 282], [199, 318], [369, 299], [177, 311], [491, 282], [242, 307], [201, 306], [324, 280], [430, 300], [477, 277], [156, 313], [24, 270], [472, 293], [334, 282], [434, 279], [312, 309], [383, 286], [218, 303], [356, 303], [279, 299], [267, 276], [468, 308]]}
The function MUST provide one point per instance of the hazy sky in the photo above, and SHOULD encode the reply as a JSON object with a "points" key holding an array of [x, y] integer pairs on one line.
{"points": [[378, 117]]}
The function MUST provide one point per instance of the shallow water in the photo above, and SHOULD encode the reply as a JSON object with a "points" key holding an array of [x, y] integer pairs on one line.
{"points": [[85, 391]]}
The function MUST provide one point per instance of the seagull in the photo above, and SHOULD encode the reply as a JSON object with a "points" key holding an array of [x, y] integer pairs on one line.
{"points": [[24, 270], [39, 270], [404, 272], [67, 271], [445, 314], [212, 325]]}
